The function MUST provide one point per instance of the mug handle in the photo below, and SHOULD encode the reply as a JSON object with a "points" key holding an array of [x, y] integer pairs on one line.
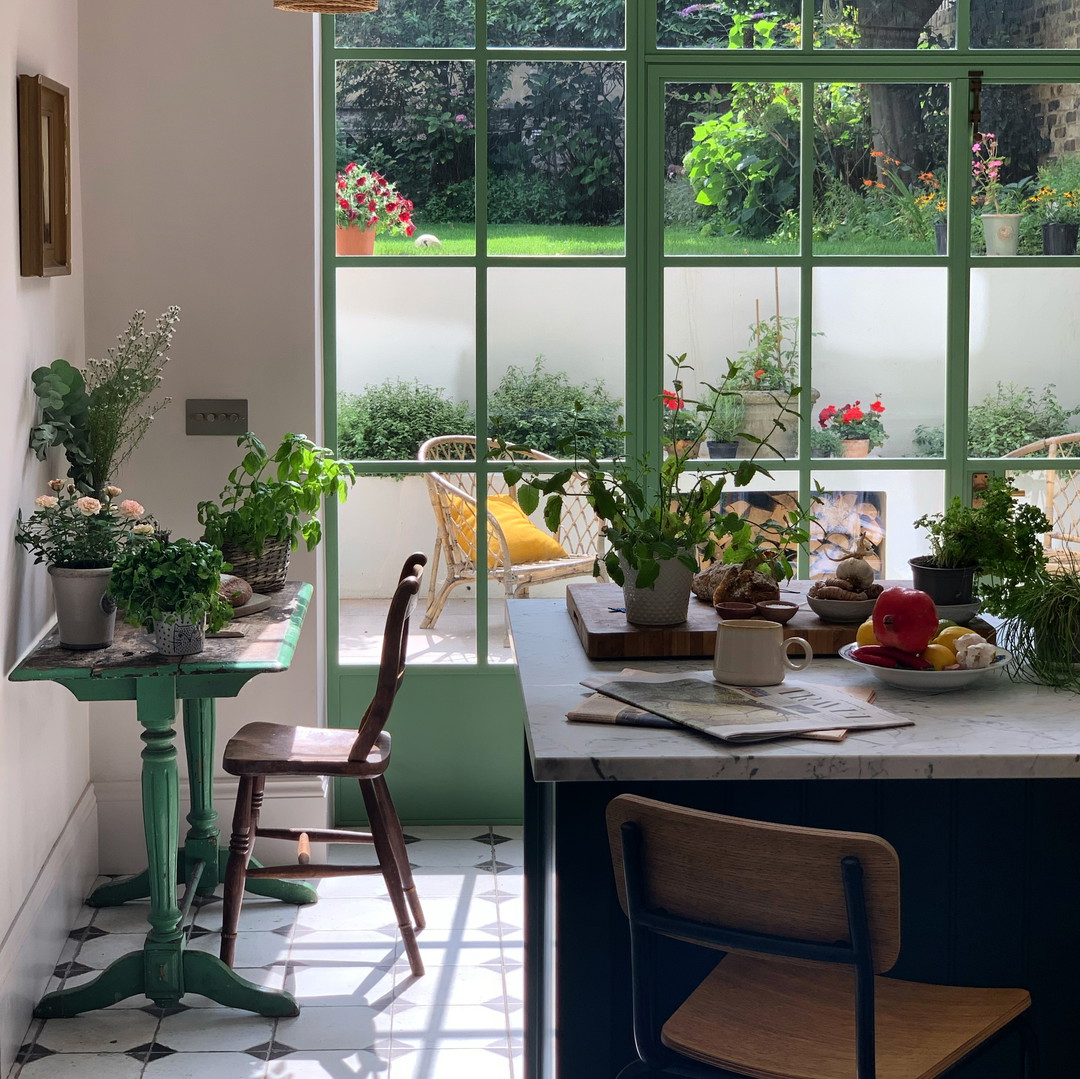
{"points": [[807, 654]]}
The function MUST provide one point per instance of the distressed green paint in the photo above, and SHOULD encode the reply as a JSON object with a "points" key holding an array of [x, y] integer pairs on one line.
{"points": [[201, 841]]}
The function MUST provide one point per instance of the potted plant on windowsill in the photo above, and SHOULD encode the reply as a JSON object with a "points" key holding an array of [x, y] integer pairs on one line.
{"points": [[658, 518], [1058, 211], [173, 587], [727, 417], [366, 203], [858, 429], [1000, 541], [79, 537], [269, 505]]}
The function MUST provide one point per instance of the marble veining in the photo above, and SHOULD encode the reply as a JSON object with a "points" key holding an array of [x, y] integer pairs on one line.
{"points": [[996, 729]]}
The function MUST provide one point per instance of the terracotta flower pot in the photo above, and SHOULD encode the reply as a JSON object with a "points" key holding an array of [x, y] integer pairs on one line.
{"points": [[355, 241], [854, 447]]}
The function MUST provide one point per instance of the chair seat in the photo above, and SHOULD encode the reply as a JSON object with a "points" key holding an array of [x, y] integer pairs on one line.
{"points": [[774, 1018], [281, 749]]}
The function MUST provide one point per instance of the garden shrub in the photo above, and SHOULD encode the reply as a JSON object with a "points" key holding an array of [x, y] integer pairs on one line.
{"points": [[537, 408], [388, 422], [680, 205], [528, 198]]}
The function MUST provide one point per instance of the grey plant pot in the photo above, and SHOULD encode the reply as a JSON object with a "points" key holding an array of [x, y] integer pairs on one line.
{"points": [[85, 612], [665, 603], [179, 638]]}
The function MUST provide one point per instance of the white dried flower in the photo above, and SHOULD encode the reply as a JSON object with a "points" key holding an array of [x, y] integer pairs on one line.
{"points": [[144, 529]]}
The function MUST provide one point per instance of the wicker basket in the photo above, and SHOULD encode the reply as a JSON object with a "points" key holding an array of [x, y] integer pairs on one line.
{"points": [[267, 572], [327, 7]]}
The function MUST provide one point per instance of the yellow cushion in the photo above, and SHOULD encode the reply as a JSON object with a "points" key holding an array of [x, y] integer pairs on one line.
{"points": [[527, 543]]}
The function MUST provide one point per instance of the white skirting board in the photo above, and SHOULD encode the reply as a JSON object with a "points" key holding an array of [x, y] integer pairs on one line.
{"points": [[32, 945], [288, 803]]}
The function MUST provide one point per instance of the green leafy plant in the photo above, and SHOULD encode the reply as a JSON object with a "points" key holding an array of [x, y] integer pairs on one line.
{"points": [[824, 443], [390, 421], [80, 531], [275, 497], [1011, 416], [853, 421], [171, 582], [768, 546], [727, 415], [535, 407], [1045, 629], [929, 441], [100, 415], [651, 512], [1001, 538]]}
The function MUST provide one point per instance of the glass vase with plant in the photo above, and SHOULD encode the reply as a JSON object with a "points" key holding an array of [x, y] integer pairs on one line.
{"points": [[100, 415], [852, 421]]}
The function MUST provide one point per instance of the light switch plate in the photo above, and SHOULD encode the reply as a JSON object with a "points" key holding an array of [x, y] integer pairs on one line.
{"points": [[216, 416]]}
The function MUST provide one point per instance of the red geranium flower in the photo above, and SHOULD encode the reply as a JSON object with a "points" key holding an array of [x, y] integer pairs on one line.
{"points": [[672, 401], [852, 414], [759, 372], [826, 414], [877, 406]]}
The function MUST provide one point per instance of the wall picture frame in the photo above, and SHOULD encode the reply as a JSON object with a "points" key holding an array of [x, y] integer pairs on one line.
{"points": [[44, 177]]}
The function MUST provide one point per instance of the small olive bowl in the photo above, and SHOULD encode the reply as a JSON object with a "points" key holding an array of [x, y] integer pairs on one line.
{"points": [[735, 609], [777, 610], [842, 610]]}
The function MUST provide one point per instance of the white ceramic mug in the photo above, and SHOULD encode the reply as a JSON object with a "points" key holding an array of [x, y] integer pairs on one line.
{"points": [[753, 652]]}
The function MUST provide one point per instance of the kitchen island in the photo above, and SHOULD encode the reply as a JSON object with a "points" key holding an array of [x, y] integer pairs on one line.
{"points": [[980, 797]]}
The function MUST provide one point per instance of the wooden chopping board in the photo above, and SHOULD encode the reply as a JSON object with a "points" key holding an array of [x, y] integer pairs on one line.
{"points": [[605, 633]]}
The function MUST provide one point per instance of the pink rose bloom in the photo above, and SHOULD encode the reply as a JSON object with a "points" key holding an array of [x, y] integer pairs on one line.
{"points": [[57, 485], [88, 506], [45, 502], [113, 491], [131, 509]]}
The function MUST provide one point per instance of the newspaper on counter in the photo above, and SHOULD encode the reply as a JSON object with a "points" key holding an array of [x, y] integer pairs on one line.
{"points": [[693, 699]]}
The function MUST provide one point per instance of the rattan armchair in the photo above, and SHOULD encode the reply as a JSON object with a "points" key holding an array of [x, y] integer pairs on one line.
{"points": [[1060, 496], [453, 487]]}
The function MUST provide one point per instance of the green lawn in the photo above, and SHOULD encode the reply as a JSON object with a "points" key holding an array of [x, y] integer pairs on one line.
{"points": [[584, 240]]}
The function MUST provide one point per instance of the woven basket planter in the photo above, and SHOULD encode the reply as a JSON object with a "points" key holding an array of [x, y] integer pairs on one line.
{"points": [[327, 7], [267, 572]]}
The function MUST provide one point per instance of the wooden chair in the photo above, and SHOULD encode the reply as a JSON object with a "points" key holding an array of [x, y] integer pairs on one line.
{"points": [[809, 919], [1060, 497], [259, 750], [452, 488]]}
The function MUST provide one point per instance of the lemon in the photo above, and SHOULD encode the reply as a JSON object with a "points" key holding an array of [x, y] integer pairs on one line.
{"points": [[865, 634], [939, 656], [949, 635]]}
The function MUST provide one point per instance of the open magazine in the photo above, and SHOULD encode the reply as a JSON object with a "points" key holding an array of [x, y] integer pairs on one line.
{"points": [[741, 713]]}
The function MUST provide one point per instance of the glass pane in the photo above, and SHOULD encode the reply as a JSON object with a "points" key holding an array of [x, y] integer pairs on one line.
{"points": [[1000, 24], [413, 123], [414, 24], [879, 176], [540, 365], [738, 25], [731, 168], [748, 316], [885, 24], [1019, 394], [405, 374], [882, 506], [1026, 171], [554, 23], [556, 159], [1056, 491]]}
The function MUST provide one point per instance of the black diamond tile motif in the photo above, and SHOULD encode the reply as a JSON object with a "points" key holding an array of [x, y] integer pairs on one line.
{"points": [[195, 931], [282, 931], [411, 838], [162, 1013], [279, 1049], [87, 932], [493, 929], [28, 1053], [70, 970], [485, 839], [259, 1051], [149, 1051], [493, 865], [496, 839]]}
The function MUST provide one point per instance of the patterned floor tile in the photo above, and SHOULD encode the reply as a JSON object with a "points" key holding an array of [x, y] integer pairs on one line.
{"points": [[252, 949], [448, 986], [452, 1063], [204, 1066], [83, 1066], [98, 1032], [214, 1030], [348, 1027], [343, 914], [455, 1027], [331, 984], [341, 1064]]}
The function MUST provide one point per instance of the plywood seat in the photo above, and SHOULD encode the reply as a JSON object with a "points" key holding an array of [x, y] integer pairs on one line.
{"points": [[279, 749], [775, 1018]]}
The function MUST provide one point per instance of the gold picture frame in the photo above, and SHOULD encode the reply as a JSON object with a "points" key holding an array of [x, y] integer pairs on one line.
{"points": [[44, 177]]}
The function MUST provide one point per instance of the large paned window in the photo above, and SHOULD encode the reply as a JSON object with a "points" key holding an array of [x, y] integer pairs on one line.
{"points": [[876, 201]]}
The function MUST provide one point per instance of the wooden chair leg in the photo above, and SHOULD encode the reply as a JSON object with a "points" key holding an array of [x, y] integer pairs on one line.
{"points": [[435, 608], [389, 866], [397, 842], [236, 870]]}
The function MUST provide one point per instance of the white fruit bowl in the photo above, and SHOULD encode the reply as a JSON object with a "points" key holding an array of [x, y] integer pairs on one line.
{"points": [[927, 681]]}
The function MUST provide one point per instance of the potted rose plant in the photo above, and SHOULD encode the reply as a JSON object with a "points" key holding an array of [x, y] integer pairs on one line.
{"points": [[175, 588], [858, 429], [367, 203], [79, 537]]}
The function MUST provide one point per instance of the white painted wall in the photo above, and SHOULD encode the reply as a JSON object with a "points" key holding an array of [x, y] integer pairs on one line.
{"points": [[45, 801], [199, 158]]}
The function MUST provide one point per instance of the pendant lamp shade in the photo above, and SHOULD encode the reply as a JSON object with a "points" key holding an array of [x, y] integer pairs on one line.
{"points": [[327, 7]]}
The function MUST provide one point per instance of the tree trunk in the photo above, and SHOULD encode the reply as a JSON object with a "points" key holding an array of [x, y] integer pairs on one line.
{"points": [[894, 109]]}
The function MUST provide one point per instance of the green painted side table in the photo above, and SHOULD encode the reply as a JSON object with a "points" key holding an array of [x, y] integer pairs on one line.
{"points": [[130, 670]]}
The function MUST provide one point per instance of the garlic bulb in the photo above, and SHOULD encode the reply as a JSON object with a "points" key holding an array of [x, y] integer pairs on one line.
{"points": [[855, 570]]}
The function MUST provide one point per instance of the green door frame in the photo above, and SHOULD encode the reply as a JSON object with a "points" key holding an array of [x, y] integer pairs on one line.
{"points": [[486, 750]]}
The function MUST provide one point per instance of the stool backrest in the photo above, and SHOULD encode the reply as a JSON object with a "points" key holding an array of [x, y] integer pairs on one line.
{"points": [[392, 661], [756, 877]]}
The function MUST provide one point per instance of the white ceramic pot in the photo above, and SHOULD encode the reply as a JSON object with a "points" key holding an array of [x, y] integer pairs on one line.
{"points": [[179, 638], [1002, 233], [665, 603], [85, 612]]}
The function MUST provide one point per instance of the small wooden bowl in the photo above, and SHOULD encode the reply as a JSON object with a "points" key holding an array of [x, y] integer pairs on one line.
{"points": [[735, 609], [777, 610]]}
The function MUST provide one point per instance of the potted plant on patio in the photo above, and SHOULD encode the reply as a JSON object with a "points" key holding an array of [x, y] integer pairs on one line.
{"points": [[269, 505], [1002, 203], [859, 430], [175, 588], [1058, 211], [1000, 541], [79, 537], [658, 518], [727, 418], [366, 203]]}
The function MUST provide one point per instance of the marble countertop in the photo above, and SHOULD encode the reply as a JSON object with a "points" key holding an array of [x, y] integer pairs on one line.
{"points": [[997, 729]]}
